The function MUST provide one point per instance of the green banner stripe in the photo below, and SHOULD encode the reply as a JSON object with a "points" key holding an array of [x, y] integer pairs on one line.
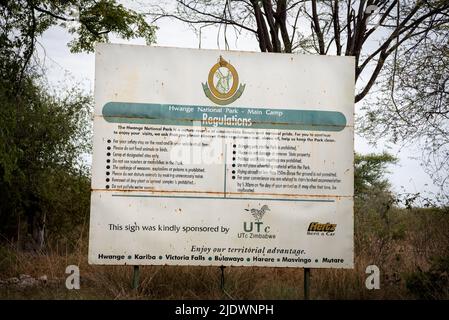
{"points": [[223, 102], [230, 117]]}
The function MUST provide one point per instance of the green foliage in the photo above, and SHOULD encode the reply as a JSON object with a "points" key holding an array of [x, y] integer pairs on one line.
{"points": [[91, 21], [97, 19], [432, 284], [371, 189], [369, 171], [43, 138], [7, 259], [373, 204]]}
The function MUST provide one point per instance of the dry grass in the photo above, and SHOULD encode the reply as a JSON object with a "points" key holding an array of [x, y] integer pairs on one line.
{"points": [[407, 242]]}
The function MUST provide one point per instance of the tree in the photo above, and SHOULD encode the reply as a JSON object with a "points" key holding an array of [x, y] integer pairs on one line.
{"points": [[43, 135], [91, 21], [42, 177], [373, 199], [400, 49], [412, 105], [369, 173], [371, 188], [336, 27]]}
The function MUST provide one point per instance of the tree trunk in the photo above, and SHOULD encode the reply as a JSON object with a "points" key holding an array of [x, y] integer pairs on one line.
{"points": [[39, 231]]}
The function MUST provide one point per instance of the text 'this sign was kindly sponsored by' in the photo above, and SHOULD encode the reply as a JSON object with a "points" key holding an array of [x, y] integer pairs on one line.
{"points": [[205, 157]]}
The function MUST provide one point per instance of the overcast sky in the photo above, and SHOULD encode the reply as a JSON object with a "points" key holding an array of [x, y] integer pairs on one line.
{"points": [[65, 68]]}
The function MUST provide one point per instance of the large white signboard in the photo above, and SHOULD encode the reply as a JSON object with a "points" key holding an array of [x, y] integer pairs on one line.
{"points": [[205, 157]]}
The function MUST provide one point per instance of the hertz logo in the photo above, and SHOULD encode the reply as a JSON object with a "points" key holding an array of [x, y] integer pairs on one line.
{"points": [[322, 227]]}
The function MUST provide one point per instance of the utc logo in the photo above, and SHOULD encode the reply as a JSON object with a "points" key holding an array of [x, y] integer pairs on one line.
{"points": [[258, 225], [222, 85]]}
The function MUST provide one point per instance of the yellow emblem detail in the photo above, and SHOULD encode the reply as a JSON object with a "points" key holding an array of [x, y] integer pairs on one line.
{"points": [[222, 85]]}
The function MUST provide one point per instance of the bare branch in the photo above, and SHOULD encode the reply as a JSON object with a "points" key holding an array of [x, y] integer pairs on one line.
{"points": [[268, 8], [317, 28], [337, 31], [52, 14]]}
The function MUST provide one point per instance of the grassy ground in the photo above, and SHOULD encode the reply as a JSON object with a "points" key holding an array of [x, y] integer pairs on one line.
{"points": [[401, 246]]}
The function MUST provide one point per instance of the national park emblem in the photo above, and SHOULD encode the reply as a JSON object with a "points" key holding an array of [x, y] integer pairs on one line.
{"points": [[222, 85]]}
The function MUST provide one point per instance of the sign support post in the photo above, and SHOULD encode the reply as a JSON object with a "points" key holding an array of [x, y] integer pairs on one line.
{"points": [[136, 274], [306, 283], [222, 279]]}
